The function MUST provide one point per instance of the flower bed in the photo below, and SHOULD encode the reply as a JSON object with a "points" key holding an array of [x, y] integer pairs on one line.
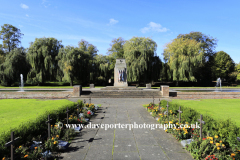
{"points": [[33, 145], [219, 137]]}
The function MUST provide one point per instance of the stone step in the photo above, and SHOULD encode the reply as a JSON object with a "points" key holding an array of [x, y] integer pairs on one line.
{"points": [[120, 96]]}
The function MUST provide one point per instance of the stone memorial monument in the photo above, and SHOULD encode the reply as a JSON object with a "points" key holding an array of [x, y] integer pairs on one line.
{"points": [[120, 73]]}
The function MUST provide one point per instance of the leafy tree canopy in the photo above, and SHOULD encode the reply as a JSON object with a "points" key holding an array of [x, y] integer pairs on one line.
{"points": [[41, 55], [116, 49], [11, 37], [14, 65], [223, 65], [208, 44], [184, 56], [69, 59], [138, 52]]}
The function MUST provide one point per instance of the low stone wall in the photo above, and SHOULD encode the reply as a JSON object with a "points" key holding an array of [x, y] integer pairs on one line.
{"points": [[32, 95], [204, 95]]}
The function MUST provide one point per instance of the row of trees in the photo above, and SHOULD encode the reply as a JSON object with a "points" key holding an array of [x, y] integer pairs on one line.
{"points": [[190, 58]]}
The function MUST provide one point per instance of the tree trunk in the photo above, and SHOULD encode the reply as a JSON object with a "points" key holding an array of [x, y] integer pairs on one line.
{"points": [[176, 83]]}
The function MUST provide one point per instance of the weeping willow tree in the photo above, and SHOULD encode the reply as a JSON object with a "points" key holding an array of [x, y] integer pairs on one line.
{"points": [[183, 57], [139, 53], [41, 56], [69, 60], [90, 52], [14, 65]]}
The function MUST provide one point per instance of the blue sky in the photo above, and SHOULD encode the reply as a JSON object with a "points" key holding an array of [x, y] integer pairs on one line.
{"points": [[100, 21]]}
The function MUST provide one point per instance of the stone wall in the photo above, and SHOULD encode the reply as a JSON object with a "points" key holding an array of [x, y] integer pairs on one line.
{"points": [[165, 90], [205, 95], [32, 95]]}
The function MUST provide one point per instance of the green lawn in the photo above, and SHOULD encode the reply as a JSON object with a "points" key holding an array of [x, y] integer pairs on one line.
{"points": [[16, 111], [216, 108]]}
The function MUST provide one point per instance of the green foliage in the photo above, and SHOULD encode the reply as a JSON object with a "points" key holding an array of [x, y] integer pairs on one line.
{"points": [[221, 134], [41, 56], [208, 44], [91, 69], [223, 65], [238, 71], [11, 37], [69, 60], [28, 130], [2, 55], [14, 65], [139, 54], [116, 49], [184, 56]]}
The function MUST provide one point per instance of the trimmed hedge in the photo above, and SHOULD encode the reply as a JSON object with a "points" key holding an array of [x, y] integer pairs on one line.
{"points": [[29, 129]]}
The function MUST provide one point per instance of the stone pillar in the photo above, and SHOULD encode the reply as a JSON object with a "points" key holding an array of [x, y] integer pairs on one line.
{"points": [[92, 86], [165, 90], [148, 86], [120, 73], [77, 90]]}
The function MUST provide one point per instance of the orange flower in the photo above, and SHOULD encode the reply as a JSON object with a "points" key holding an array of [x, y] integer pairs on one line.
{"points": [[233, 154], [26, 156], [3, 158], [35, 147]]}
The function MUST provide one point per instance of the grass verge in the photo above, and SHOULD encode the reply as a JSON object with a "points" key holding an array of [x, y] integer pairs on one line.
{"points": [[17, 111], [217, 108]]}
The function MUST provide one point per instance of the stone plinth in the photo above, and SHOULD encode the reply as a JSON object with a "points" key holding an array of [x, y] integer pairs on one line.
{"points": [[120, 73], [92, 86], [165, 90], [148, 86], [77, 90]]}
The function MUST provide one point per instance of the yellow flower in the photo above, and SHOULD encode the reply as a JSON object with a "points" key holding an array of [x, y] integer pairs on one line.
{"points": [[218, 148], [166, 130], [25, 156], [223, 145], [170, 122], [35, 147], [55, 125], [160, 114], [55, 142], [217, 144], [220, 141], [20, 146], [216, 136], [57, 136], [210, 138], [3, 158], [233, 154], [186, 122], [211, 142], [52, 138]]}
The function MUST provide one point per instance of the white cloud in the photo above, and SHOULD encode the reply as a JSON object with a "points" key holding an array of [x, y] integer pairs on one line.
{"points": [[27, 15], [24, 6], [45, 3], [113, 21], [154, 27]]}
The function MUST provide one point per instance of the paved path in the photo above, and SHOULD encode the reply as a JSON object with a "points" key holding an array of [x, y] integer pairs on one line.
{"points": [[118, 144]]}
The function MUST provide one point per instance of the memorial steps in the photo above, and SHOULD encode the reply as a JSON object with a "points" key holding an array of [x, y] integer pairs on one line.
{"points": [[121, 93]]}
